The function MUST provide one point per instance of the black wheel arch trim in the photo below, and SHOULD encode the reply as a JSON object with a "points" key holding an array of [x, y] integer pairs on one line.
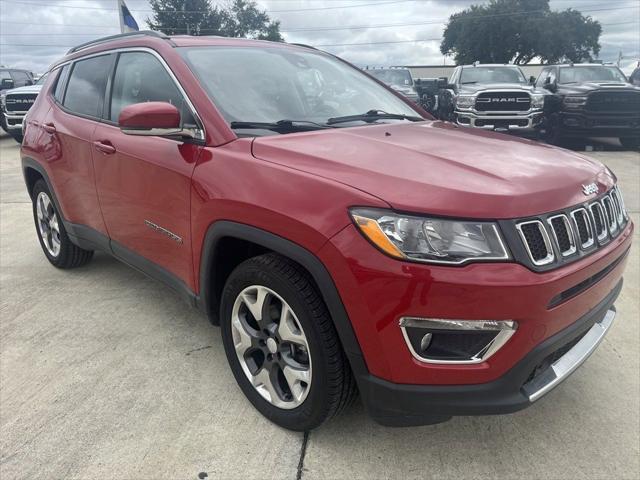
{"points": [[225, 229]]}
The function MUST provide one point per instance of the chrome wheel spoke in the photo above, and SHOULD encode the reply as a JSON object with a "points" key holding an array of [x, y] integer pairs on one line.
{"points": [[264, 384], [289, 329], [298, 381]]}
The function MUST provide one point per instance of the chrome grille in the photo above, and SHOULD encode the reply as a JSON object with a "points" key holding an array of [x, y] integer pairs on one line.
{"points": [[573, 233], [583, 227], [599, 221], [536, 241], [563, 234], [609, 210]]}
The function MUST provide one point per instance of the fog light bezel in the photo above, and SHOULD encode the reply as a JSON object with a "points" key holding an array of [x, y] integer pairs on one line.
{"points": [[504, 328]]}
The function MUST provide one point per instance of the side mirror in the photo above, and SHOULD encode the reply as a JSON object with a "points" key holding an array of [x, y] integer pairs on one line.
{"points": [[443, 82], [532, 80], [7, 84], [152, 119]]}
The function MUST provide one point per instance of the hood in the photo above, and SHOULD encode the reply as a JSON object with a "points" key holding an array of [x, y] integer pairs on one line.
{"points": [[583, 88], [26, 89], [403, 89], [441, 169], [471, 88]]}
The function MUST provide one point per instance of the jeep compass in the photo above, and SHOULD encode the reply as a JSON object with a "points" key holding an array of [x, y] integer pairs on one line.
{"points": [[343, 240]]}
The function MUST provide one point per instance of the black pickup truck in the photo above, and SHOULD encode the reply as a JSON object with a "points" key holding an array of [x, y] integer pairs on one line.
{"points": [[590, 100]]}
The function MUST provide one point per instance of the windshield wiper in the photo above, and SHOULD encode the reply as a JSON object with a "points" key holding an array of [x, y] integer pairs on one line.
{"points": [[372, 116], [281, 126]]}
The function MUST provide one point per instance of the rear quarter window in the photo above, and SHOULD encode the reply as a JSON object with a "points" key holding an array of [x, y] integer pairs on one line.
{"points": [[86, 86], [58, 92]]}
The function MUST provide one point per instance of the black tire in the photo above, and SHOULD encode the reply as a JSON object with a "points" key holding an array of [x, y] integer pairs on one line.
{"points": [[69, 255], [17, 137], [332, 387], [632, 143], [3, 122]]}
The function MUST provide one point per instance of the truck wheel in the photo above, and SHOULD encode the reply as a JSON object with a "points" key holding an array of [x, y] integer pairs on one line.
{"points": [[282, 345], [632, 143], [51, 233], [3, 122], [17, 137]]}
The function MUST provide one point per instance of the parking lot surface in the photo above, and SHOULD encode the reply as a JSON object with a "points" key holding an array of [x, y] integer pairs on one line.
{"points": [[105, 373]]}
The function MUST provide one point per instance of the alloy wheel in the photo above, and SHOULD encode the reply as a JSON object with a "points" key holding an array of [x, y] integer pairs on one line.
{"points": [[48, 224], [271, 347]]}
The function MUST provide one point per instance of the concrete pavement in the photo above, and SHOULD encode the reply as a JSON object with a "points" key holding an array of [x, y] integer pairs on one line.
{"points": [[107, 374]]}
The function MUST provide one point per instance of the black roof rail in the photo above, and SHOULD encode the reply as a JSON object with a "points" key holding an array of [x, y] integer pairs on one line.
{"points": [[149, 33], [303, 45]]}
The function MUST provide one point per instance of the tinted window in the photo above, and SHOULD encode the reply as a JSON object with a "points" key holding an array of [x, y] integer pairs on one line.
{"points": [[21, 78], [4, 75], [591, 73], [62, 77], [85, 90], [492, 75], [140, 77], [543, 76]]}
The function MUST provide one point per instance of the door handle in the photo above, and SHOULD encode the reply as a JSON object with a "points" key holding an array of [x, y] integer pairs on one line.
{"points": [[49, 127], [105, 147]]}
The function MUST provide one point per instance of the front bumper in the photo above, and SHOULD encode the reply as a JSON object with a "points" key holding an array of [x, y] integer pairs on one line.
{"points": [[579, 124], [539, 372], [14, 120], [519, 122]]}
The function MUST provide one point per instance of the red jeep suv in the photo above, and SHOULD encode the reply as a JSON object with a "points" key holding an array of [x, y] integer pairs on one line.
{"points": [[343, 240]]}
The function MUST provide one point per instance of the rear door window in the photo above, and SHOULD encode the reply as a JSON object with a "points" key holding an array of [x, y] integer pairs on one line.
{"points": [[140, 77], [86, 86]]}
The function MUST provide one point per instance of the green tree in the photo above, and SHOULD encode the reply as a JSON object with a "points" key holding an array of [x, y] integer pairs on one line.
{"points": [[518, 31], [241, 18]]}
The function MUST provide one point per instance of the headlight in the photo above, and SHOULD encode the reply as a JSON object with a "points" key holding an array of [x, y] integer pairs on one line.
{"points": [[465, 101], [574, 102], [537, 100], [431, 240]]}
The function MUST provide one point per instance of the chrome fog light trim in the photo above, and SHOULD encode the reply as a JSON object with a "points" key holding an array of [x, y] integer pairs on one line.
{"points": [[504, 331]]}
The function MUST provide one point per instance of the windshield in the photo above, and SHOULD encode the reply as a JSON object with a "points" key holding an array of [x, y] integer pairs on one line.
{"points": [[258, 84], [492, 75], [591, 73], [392, 77], [42, 79]]}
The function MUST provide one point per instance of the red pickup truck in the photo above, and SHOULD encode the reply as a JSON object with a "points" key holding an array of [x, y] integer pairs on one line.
{"points": [[343, 240]]}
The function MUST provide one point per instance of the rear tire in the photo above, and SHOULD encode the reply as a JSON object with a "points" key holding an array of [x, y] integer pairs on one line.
{"points": [[55, 243], [260, 349]]}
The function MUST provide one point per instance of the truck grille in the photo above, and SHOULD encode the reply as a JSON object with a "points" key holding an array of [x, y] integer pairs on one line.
{"points": [[19, 102], [575, 232], [614, 102], [503, 102]]}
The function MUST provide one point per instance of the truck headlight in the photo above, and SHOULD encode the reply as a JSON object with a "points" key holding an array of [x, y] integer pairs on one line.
{"points": [[574, 102], [465, 101], [430, 240], [537, 100]]}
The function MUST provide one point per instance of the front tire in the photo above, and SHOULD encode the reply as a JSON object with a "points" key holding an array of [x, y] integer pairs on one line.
{"points": [[52, 235], [281, 344], [17, 137]]}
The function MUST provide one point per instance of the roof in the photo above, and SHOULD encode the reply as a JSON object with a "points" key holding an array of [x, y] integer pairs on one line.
{"points": [[148, 38]]}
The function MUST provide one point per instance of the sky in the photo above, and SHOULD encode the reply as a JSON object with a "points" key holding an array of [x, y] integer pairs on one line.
{"points": [[34, 33]]}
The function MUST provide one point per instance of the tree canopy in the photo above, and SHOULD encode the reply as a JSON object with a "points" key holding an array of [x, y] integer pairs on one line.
{"points": [[241, 18], [518, 31]]}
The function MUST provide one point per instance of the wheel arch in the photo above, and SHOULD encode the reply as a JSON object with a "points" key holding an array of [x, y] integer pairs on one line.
{"points": [[254, 241]]}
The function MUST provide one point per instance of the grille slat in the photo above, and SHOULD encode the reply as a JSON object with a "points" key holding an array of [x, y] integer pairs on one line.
{"points": [[583, 227], [537, 242], [610, 214], [599, 221], [563, 234]]}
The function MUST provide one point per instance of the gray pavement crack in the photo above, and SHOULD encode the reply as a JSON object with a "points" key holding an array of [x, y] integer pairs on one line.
{"points": [[303, 452]]}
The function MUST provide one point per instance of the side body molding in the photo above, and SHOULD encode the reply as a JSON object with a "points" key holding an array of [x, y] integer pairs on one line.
{"points": [[222, 229]]}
